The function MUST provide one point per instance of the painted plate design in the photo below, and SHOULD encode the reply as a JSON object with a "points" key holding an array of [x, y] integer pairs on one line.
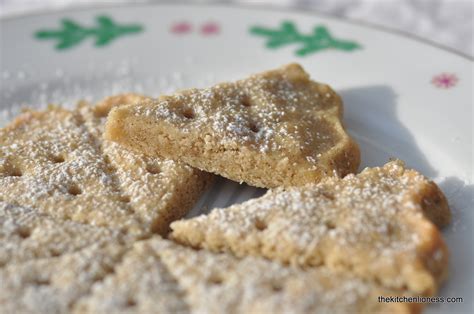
{"points": [[403, 98]]}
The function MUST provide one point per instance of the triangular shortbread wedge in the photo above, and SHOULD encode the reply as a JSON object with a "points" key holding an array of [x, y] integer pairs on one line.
{"points": [[141, 283], [53, 285], [56, 162], [276, 128], [170, 186], [26, 234], [378, 224], [161, 276]]}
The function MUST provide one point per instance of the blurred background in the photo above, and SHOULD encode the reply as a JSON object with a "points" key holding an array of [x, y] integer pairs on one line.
{"points": [[444, 22]]}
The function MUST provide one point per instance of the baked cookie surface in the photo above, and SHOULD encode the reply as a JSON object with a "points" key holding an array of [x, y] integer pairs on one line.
{"points": [[221, 283], [276, 128], [27, 235], [57, 162], [157, 275], [379, 224], [54, 285], [141, 283]]}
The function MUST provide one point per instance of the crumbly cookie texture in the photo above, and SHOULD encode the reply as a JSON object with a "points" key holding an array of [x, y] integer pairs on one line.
{"points": [[221, 283], [103, 107], [54, 285], [380, 224], [141, 283], [57, 162], [160, 276], [26, 235], [276, 128], [172, 187]]}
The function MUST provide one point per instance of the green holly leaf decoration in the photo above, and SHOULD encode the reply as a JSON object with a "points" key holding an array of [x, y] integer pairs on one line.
{"points": [[318, 40], [71, 33]]}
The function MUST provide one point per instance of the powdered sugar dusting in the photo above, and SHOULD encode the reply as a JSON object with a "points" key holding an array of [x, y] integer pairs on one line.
{"points": [[26, 234], [57, 162], [276, 110], [251, 284], [360, 220], [25, 88]]}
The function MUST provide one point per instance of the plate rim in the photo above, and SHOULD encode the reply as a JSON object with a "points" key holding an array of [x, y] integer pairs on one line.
{"points": [[266, 8], [257, 7]]}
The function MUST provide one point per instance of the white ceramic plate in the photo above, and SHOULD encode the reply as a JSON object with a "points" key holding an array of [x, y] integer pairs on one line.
{"points": [[403, 98]]}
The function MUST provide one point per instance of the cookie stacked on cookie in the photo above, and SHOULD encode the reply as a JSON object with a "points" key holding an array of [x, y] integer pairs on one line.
{"points": [[57, 162], [86, 207]]}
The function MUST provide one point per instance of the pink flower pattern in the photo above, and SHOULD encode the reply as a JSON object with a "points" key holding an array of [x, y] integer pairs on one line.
{"points": [[206, 29], [445, 80], [181, 28], [210, 28]]}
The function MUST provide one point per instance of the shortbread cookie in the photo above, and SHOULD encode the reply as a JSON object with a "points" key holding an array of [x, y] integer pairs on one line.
{"points": [[26, 234], [184, 184], [161, 276], [379, 224], [57, 162], [103, 107], [140, 284], [276, 128], [53, 285], [220, 283]]}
